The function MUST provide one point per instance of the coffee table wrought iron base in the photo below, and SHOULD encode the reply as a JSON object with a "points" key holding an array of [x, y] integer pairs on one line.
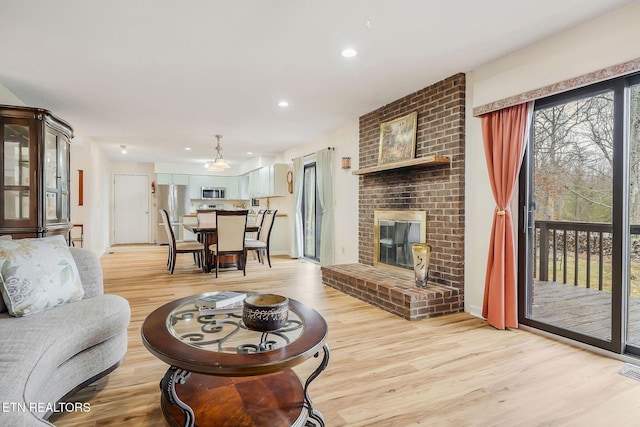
{"points": [[272, 400]]}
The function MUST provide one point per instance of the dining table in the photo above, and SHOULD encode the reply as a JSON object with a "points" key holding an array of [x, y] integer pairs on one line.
{"points": [[207, 234]]}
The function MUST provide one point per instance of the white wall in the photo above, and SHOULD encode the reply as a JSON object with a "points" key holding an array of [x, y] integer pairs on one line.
{"points": [[601, 43], [345, 187], [8, 98], [97, 182], [77, 158]]}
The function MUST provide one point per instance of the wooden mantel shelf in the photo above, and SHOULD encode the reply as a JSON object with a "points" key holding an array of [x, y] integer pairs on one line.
{"points": [[419, 162]]}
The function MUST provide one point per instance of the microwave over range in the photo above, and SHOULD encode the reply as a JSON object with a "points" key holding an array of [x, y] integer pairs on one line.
{"points": [[210, 193]]}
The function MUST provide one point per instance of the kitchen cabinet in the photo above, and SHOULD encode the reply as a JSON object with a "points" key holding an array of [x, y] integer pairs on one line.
{"points": [[196, 182], [179, 179], [243, 186], [169, 178], [253, 183], [278, 179], [35, 182], [268, 181], [231, 184], [163, 178]]}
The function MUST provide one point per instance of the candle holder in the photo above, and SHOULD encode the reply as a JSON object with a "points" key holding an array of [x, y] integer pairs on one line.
{"points": [[421, 257]]}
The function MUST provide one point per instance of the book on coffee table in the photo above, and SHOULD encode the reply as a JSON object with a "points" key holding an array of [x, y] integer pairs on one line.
{"points": [[220, 300], [233, 308]]}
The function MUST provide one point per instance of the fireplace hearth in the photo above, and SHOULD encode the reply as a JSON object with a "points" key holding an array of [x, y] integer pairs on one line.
{"points": [[393, 290]]}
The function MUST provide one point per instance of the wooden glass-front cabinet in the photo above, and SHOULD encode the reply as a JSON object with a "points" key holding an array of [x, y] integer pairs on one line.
{"points": [[35, 181]]}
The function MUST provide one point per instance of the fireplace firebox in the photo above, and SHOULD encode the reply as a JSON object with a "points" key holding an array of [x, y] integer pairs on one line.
{"points": [[394, 233]]}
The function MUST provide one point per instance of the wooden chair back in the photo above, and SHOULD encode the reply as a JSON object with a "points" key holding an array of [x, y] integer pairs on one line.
{"points": [[260, 217], [267, 225], [207, 218], [167, 226], [231, 226]]}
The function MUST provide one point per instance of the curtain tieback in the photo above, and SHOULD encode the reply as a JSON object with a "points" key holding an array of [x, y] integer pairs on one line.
{"points": [[500, 212]]}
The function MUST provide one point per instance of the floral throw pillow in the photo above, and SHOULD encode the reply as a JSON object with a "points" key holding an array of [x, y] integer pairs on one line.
{"points": [[37, 274]]}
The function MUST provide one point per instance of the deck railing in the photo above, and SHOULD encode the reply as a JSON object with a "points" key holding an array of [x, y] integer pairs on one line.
{"points": [[583, 243]]}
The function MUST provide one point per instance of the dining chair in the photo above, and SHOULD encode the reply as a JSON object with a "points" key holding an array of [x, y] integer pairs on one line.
{"points": [[230, 230], [261, 245], [180, 246], [253, 235], [206, 218], [77, 236], [260, 218]]}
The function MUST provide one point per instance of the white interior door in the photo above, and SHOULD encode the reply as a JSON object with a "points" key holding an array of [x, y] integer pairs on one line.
{"points": [[131, 209]]}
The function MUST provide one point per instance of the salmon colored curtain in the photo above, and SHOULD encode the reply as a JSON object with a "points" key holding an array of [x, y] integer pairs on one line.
{"points": [[504, 134]]}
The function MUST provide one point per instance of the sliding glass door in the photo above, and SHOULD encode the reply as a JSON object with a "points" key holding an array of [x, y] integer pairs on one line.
{"points": [[633, 253], [311, 213], [579, 240]]}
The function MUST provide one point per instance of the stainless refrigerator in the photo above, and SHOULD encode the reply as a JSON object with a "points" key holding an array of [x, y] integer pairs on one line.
{"points": [[175, 199]]}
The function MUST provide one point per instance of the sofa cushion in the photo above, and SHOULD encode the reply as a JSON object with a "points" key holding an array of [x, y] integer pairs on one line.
{"points": [[34, 347], [37, 274]]}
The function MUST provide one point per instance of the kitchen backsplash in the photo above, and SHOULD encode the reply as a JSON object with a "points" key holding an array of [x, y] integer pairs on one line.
{"points": [[279, 203]]}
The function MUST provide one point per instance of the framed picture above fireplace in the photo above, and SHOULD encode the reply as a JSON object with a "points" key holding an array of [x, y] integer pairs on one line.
{"points": [[398, 139]]}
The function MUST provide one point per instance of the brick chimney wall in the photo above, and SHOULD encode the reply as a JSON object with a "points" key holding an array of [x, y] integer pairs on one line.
{"points": [[437, 189]]}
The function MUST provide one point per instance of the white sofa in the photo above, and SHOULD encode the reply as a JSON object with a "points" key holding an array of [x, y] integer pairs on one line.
{"points": [[48, 356]]}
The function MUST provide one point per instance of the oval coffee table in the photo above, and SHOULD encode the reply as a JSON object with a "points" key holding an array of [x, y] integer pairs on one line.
{"points": [[221, 373]]}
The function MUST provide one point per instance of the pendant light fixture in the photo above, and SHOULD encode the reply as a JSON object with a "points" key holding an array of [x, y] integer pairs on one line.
{"points": [[219, 164]]}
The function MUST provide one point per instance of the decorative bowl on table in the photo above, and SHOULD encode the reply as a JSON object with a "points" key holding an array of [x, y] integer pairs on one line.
{"points": [[265, 312]]}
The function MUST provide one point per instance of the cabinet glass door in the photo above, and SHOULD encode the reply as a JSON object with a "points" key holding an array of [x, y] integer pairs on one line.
{"points": [[63, 180], [51, 176], [16, 172]]}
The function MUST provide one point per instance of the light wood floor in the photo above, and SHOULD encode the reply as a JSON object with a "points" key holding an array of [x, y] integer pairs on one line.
{"points": [[384, 370]]}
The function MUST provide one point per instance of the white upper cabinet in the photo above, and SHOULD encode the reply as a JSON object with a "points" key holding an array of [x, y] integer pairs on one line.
{"points": [[268, 181], [243, 186], [180, 179], [235, 189], [196, 182], [171, 178], [163, 178], [230, 183], [278, 181]]}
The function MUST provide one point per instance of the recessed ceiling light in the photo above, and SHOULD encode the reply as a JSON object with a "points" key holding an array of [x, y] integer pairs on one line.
{"points": [[187, 148], [283, 103], [349, 52], [249, 152]]}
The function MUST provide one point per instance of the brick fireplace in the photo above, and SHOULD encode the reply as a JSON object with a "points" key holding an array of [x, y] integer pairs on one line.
{"points": [[437, 189]]}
